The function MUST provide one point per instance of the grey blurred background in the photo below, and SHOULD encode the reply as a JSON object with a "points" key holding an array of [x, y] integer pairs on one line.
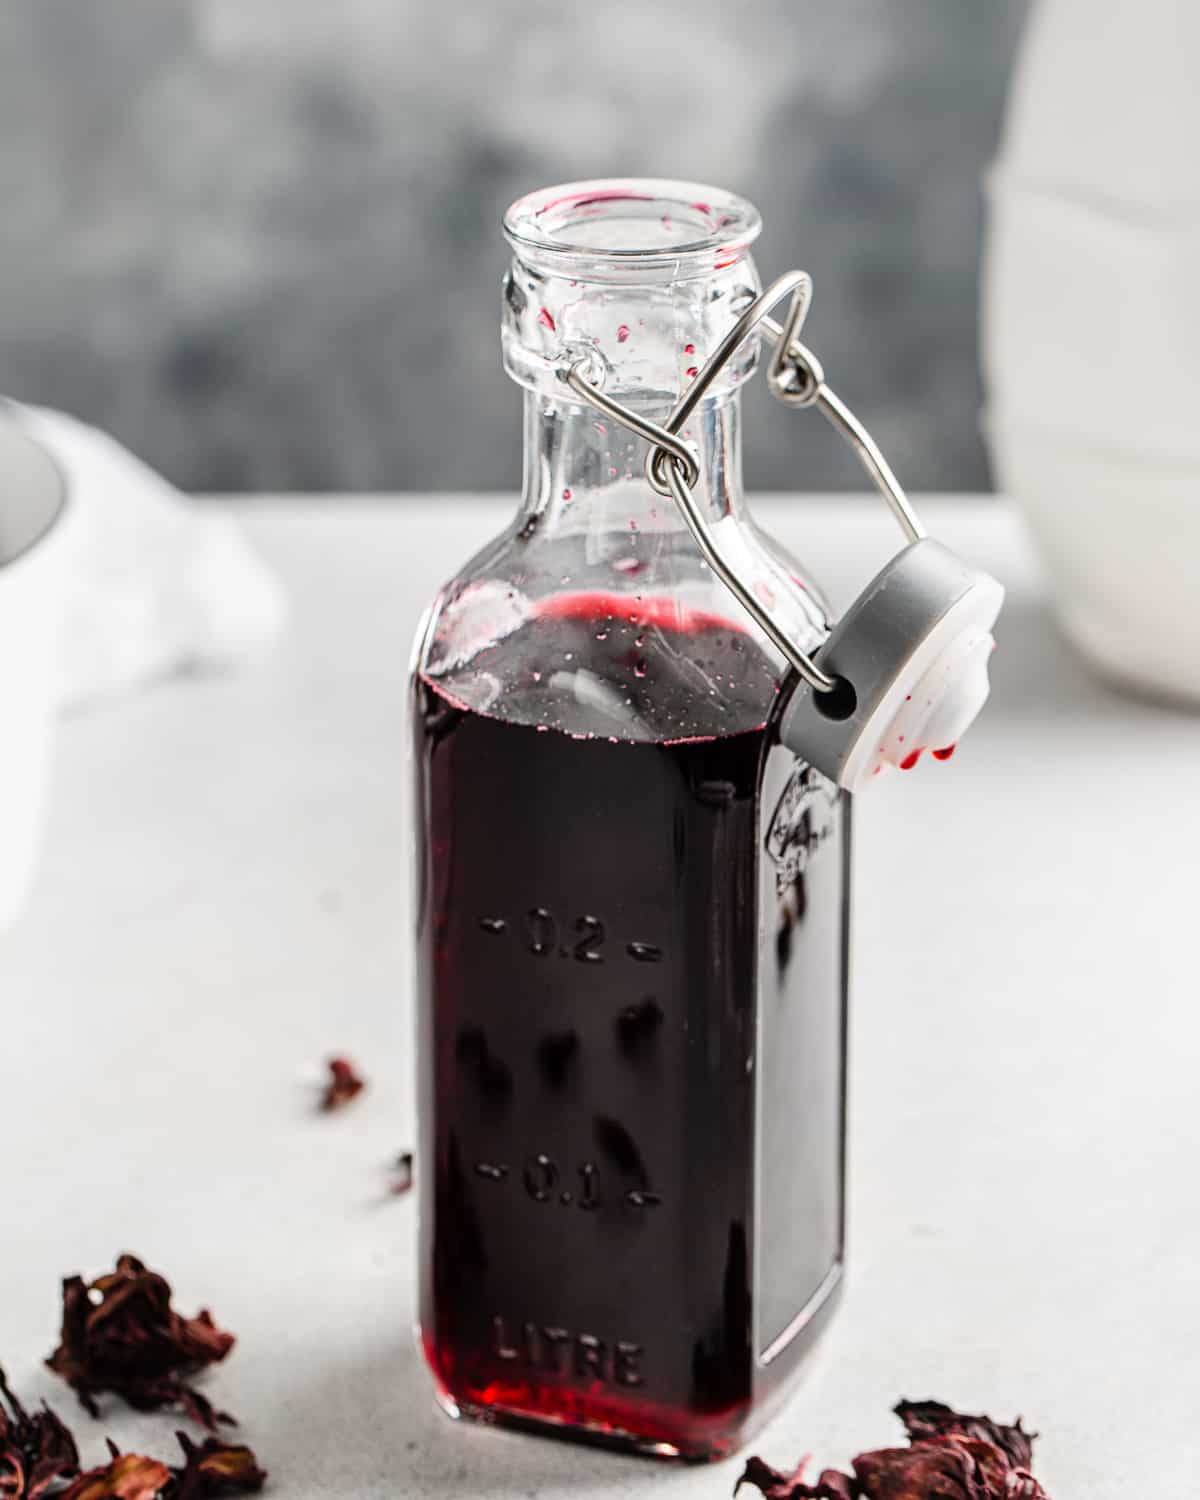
{"points": [[259, 242]]}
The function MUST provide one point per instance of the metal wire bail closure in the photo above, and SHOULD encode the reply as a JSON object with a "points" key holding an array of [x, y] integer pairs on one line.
{"points": [[795, 377], [926, 607]]}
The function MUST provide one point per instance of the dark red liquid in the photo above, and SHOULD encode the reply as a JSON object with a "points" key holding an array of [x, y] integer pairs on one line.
{"points": [[629, 1187]]}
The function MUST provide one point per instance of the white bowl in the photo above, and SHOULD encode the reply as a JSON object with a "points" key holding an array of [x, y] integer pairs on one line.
{"points": [[1091, 356], [1092, 321], [32, 506], [1120, 539], [1103, 105]]}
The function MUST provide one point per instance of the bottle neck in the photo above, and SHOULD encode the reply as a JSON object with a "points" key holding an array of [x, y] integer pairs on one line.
{"points": [[585, 472]]}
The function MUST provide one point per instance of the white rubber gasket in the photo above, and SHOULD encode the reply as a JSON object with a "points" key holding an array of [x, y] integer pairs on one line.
{"points": [[936, 698]]}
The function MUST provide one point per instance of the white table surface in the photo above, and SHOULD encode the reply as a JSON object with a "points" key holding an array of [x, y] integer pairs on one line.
{"points": [[223, 903]]}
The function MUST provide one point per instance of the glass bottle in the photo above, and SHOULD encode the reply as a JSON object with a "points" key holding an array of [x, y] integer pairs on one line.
{"points": [[632, 898]]}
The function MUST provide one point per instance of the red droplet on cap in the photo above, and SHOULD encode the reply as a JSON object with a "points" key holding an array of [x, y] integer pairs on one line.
{"points": [[944, 753], [910, 760], [545, 319]]}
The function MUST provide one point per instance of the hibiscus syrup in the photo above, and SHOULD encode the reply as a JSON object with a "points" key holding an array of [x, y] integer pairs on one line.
{"points": [[632, 899]]}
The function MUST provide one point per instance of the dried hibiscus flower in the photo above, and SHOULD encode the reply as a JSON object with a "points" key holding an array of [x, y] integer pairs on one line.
{"points": [[402, 1173], [933, 1419], [951, 1456], [210, 1468], [213, 1467], [127, 1476], [344, 1083], [779, 1486], [121, 1334], [953, 1467], [37, 1452]]}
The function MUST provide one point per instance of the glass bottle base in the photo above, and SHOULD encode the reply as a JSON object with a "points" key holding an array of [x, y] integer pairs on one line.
{"points": [[648, 1428], [594, 1432], [614, 1437]]}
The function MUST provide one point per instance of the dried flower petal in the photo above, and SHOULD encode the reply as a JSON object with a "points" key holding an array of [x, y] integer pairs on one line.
{"points": [[402, 1173], [344, 1083], [121, 1334], [210, 1468], [128, 1476], [914, 1474], [214, 1468], [953, 1467], [776, 1485], [36, 1452], [951, 1456], [934, 1419], [52, 1454], [12, 1474]]}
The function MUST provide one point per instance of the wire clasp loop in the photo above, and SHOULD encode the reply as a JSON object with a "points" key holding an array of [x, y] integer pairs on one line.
{"points": [[794, 377]]}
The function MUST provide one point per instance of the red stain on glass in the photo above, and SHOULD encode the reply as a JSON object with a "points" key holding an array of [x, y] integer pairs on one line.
{"points": [[663, 613]]}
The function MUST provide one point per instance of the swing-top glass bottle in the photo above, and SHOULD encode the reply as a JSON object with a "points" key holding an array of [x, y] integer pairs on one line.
{"points": [[632, 898]]}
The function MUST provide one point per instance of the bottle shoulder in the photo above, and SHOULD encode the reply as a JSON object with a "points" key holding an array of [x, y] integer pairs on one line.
{"points": [[625, 635]]}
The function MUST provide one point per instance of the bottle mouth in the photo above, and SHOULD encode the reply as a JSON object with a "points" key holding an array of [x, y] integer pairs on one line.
{"points": [[627, 228]]}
